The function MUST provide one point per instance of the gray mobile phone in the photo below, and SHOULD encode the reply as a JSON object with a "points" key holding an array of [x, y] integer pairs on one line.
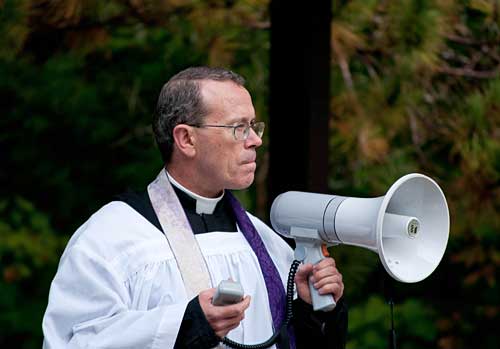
{"points": [[228, 292]]}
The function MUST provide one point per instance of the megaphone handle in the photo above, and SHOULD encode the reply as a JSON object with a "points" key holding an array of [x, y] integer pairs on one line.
{"points": [[314, 254]]}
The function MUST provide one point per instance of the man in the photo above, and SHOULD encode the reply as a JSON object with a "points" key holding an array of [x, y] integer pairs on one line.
{"points": [[142, 271]]}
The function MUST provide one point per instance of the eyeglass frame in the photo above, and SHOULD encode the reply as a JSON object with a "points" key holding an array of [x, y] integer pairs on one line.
{"points": [[246, 130]]}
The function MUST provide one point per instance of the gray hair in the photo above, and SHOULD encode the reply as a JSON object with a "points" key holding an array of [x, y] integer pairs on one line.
{"points": [[181, 102]]}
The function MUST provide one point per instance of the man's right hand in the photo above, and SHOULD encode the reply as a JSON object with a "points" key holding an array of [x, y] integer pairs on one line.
{"points": [[224, 318]]}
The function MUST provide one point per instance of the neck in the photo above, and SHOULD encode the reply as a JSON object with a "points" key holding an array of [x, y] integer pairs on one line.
{"points": [[188, 178], [204, 205]]}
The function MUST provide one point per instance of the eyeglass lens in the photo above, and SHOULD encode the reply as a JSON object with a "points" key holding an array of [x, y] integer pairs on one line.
{"points": [[244, 131]]}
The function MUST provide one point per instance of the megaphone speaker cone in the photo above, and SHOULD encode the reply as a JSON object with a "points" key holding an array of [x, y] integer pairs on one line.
{"points": [[412, 228]]}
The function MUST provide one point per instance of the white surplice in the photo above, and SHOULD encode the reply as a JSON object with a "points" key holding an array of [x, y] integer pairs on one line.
{"points": [[118, 285]]}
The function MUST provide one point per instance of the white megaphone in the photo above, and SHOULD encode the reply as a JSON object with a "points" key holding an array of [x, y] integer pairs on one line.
{"points": [[408, 227]]}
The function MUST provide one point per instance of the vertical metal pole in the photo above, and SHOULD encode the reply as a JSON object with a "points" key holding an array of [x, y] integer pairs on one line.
{"points": [[392, 331]]}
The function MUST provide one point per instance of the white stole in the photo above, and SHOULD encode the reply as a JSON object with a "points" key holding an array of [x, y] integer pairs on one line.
{"points": [[179, 235]]}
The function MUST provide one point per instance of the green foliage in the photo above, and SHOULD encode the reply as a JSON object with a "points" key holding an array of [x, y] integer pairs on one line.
{"points": [[79, 82], [13, 26], [29, 252], [415, 89], [369, 324]]}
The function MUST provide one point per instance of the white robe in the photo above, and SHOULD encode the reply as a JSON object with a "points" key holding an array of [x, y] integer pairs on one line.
{"points": [[118, 285]]}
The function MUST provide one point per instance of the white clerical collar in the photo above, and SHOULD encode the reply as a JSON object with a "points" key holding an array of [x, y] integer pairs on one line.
{"points": [[203, 204]]}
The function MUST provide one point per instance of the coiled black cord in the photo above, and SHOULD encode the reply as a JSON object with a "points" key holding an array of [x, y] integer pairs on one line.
{"points": [[289, 314]]}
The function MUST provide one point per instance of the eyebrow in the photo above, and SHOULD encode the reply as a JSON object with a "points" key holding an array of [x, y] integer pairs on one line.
{"points": [[241, 120]]}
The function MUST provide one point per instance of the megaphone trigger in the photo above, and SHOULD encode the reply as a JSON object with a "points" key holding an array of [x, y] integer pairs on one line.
{"points": [[324, 250]]}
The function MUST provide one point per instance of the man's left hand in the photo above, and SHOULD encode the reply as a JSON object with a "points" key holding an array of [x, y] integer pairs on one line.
{"points": [[324, 276]]}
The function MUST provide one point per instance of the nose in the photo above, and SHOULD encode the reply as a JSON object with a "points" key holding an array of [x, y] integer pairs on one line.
{"points": [[253, 140]]}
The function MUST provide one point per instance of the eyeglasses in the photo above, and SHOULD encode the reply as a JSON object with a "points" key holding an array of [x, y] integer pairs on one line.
{"points": [[240, 131]]}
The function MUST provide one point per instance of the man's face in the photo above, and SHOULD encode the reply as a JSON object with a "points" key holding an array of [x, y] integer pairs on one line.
{"points": [[222, 161]]}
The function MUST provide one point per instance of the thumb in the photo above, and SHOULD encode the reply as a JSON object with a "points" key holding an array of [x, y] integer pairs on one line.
{"points": [[207, 294], [303, 272]]}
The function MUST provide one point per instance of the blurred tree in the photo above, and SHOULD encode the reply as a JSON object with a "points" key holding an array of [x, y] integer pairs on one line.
{"points": [[29, 250], [78, 83], [416, 89]]}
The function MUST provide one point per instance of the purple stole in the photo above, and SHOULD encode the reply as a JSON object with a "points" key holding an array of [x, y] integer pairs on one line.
{"points": [[272, 278]]}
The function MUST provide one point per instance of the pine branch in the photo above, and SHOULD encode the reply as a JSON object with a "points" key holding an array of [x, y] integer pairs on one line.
{"points": [[468, 72], [471, 41]]}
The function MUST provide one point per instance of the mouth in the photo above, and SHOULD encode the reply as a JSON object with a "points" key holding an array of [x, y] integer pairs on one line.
{"points": [[251, 165], [249, 160]]}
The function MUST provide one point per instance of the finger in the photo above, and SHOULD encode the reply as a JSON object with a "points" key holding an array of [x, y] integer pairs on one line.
{"points": [[303, 272], [305, 269], [323, 273], [324, 263], [341, 293], [222, 325], [244, 304], [320, 274], [207, 294], [234, 310], [226, 329], [332, 279], [235, 319], [226, 324], [205, 298], [335, 289]]}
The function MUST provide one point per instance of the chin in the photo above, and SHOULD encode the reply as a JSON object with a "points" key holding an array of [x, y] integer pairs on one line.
{"points": [[243, 183]]}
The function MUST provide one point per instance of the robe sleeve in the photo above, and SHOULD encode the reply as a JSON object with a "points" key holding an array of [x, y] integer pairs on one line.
{"points": [[316, 329], [195, 331], [89, 307]]}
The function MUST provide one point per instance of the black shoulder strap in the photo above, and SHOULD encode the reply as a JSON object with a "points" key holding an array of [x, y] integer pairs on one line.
{"points": [[142, 204]]}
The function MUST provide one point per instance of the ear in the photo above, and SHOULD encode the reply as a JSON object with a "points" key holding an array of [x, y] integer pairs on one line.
{"points": [[185, 140]]}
